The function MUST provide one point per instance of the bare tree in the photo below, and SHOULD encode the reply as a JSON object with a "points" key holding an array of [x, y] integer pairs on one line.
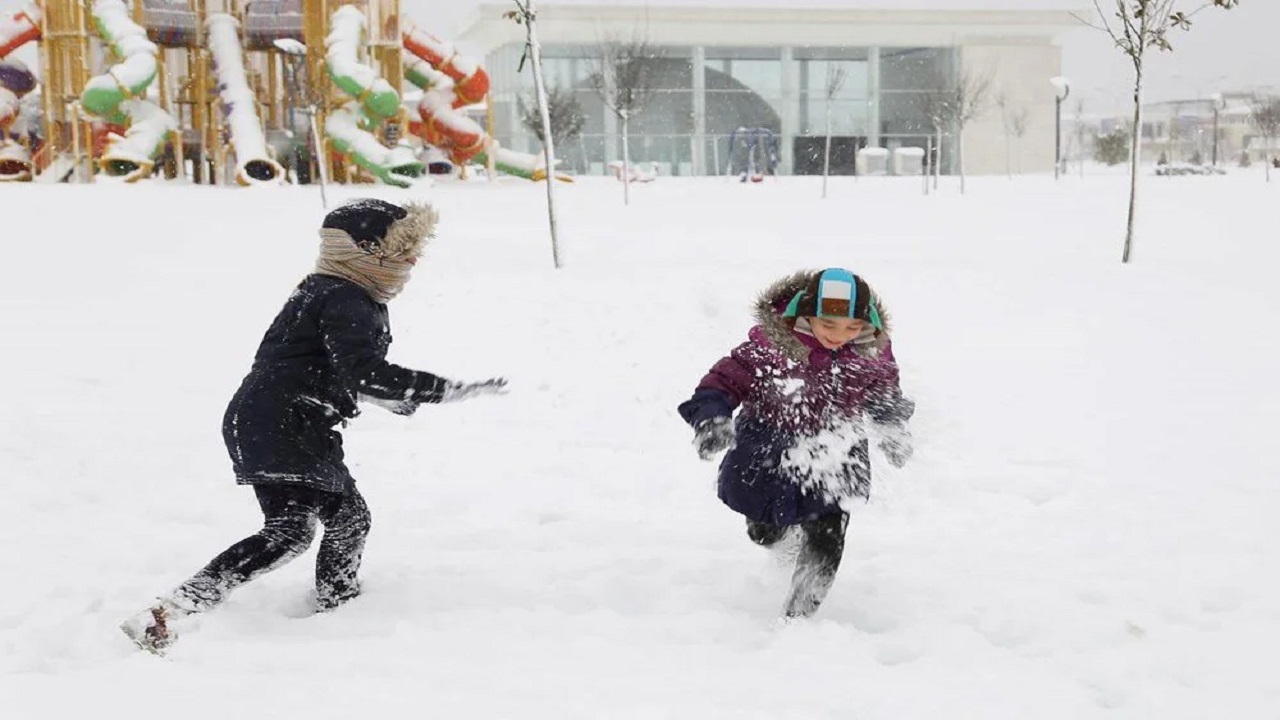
{"points": [[933, 108], [526, 15], [836, 76], [1265, 115], [564, 110], [1013, 116], [968, 99], [1137, 26], [1019, 123], [623, 74], [952, 105]]}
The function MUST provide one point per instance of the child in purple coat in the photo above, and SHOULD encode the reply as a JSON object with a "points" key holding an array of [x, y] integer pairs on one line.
{"points": [[815, 368]]}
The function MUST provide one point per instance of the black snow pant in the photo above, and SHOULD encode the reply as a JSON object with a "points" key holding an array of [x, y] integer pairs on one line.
{"points": [[821, 548], [290, 515]]}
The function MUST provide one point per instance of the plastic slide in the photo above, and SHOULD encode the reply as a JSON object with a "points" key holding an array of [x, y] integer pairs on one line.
{"points": [[254, 165], [19, 29], [450, 81], [374, 101], [15, 82], [115, 96]]}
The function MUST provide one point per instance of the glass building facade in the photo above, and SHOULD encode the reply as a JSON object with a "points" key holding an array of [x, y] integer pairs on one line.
{"points": [[702, 95]]}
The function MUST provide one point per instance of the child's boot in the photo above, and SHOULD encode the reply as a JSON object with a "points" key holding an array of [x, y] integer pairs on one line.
{"points": [[152, 629], [816, 564], [809, 588]]}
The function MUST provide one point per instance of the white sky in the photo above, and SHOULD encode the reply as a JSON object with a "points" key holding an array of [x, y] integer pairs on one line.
{"points": [[1232, 50]]}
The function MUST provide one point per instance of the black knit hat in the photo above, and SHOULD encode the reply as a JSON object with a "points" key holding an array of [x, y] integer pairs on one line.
{"points": [[366, 220]]}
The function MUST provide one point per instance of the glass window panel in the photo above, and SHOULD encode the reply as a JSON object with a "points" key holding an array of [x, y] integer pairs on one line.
{"points": [[593, 110], [671, 73], [664, 73], [764, 77], [830, 53], [915, 68], [814, 77], [848, 117], [728, 110], [903, 113], [743, 53], [502, 120], [666, 112], [560, 72]]}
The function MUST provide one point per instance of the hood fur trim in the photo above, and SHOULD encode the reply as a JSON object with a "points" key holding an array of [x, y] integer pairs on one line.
{"points": [[407, 237], [780, 330]]}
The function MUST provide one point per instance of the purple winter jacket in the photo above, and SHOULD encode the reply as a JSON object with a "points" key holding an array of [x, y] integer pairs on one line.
{"points": [[800, 446]]}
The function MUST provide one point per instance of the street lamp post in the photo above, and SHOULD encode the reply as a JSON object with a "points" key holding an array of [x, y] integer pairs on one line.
{"points": [[1063, 88]]}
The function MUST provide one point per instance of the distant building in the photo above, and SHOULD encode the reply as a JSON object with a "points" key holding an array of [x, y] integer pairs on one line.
{"points": [[1182, 131], [764, 64]]}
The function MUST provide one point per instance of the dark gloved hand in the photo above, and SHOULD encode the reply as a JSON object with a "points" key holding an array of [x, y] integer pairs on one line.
{"points": [[897, 446], [454, 391], [712, 436]]}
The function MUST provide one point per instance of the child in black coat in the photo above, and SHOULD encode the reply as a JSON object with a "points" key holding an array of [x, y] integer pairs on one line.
{"points": [[324, 353]]}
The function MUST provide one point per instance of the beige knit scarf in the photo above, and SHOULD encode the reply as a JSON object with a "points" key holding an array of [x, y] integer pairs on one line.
{"points": [[384, 269]]}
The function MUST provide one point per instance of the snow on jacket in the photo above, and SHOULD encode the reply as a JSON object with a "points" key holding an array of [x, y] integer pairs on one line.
{"points": [[801, 445], [325, 350]]}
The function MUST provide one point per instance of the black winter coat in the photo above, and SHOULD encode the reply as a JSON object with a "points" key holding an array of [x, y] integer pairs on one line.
{"points": [[325, 350]]}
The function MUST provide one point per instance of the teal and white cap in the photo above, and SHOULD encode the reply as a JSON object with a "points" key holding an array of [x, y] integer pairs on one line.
{"points": [[836, 293]]}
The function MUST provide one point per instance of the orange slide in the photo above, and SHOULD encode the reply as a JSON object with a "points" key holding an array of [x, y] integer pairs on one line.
{"points": [[461, 138], [19, 30]]}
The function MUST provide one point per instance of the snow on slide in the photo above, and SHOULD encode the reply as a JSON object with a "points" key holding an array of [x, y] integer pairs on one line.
{"points": [[118, 95], [15, 81], [254, 165], [19, 29], [451, 81], [375, 100]]}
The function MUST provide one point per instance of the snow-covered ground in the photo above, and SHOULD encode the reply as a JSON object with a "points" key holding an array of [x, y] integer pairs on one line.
{"points": [[1088, 530]]}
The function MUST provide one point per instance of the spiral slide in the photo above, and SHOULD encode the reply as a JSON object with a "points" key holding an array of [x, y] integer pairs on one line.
{"points": [[115, 96], [374, 101], [450, 81], [254, 165], [15, 82]]}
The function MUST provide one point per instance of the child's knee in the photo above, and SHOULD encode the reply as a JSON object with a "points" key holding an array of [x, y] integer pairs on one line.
{"points": [[352, 523], [293, 533], [360, 523]]}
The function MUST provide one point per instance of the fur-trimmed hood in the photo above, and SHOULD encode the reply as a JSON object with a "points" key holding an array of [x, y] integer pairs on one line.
{"points": [[375, 244], [772, 302], [382, 229], [407, 236]]}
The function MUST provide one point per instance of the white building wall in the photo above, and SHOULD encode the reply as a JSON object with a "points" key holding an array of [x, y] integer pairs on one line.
{"points": [[1021, 71], [1016, 47]]}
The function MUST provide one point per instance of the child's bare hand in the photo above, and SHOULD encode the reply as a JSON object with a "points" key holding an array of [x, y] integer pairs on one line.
{"points": [[712, 436]]}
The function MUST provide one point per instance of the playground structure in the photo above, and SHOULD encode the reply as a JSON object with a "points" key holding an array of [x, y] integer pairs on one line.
{"points": [[754, 152], [223, 91]]}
